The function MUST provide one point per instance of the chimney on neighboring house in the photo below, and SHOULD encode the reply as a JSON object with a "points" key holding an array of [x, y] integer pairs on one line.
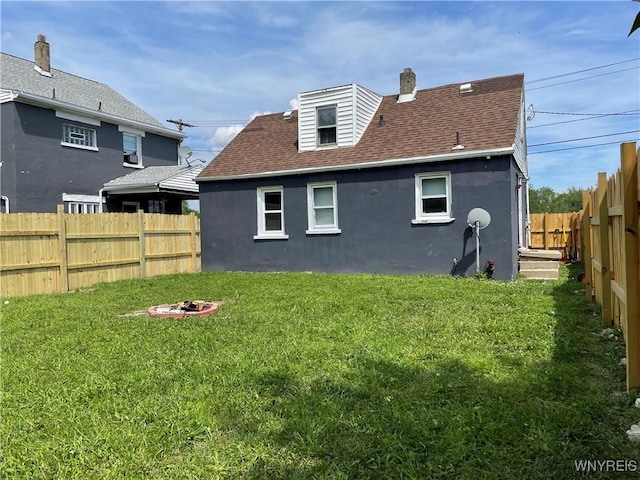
{"points": [[407, 86], [42, 56]]}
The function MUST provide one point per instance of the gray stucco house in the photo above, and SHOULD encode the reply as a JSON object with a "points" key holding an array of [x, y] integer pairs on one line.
{"points": [[64, 137], [354, 181]]}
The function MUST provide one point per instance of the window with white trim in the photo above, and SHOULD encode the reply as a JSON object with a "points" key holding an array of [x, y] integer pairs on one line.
{"points": [[322, 208], [326, 121], [132, 149], [270, 213], [4, 204], [433, 198], [130, 207], [74, 136], [79, 207]]}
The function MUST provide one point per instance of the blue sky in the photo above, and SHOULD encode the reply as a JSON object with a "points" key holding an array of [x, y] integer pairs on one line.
{"points": [[218, 64]]}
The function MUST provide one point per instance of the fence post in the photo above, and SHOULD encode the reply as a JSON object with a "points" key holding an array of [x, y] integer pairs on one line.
{"points": [[629, 170], [194, 243], [605, 257], [141, 242], [62, 242], [585, 236]]}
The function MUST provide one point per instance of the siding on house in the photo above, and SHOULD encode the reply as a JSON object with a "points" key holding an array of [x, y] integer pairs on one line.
{"points": [[44, 169], [375, 207], [355, 108], [520, 142], [366, 105]]}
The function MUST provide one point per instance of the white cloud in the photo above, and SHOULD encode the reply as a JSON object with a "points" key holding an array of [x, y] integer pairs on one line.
{"points": [[257, 114], [224, 135], [228, 62]]}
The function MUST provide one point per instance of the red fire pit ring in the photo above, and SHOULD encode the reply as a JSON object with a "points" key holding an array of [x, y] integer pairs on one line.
{"points": [[196, 308]]}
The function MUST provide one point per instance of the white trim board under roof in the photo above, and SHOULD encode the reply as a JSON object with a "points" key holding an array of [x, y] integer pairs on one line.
{"points": [[358, 166]]}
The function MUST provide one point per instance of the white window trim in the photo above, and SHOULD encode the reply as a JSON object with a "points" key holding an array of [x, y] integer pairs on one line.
{"points": [[318, 127], [138, 135], [263, 234], [83, 207], [425, 218], [6, 204], [79, 198], [75, 145], [78, 118], [314, 229]]}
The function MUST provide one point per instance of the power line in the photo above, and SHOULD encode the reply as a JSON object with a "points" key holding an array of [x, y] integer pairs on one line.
{"points": [[595, 115], [583, 138], [582, 71], [580, 79], [587, 114], [585, 146]]}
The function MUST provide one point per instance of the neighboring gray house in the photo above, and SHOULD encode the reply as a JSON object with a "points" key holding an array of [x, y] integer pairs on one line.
{"points": [[143, 188], [63, 137], [354, 181]]}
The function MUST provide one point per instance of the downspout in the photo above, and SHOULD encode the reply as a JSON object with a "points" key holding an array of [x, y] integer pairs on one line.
{"points": [[519, 197], [100, 200]]}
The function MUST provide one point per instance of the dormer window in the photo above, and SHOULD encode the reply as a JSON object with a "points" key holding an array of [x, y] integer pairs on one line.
{"points": [[327, 125]]}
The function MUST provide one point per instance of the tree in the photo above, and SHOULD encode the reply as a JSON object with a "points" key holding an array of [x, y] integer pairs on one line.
{"points": [[546, 200], [541, 199], [187, 210]]}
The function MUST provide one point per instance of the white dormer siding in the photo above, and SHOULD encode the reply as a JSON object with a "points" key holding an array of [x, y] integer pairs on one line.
{"points": [[355, 108], [520, 143]]}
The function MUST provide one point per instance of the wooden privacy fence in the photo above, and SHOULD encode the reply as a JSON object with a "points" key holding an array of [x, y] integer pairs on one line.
{"points": [[60, 252], [611, 247], [556, 231]]}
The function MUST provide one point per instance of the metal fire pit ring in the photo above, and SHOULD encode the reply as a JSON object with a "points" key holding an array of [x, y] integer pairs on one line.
{"points": [[188, 308]]}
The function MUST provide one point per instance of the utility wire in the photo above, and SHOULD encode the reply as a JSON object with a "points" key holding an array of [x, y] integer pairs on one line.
{"points": [[598, 115], [585, 146], [583, 138], [580, 79], [581, 71], [628, 112]]}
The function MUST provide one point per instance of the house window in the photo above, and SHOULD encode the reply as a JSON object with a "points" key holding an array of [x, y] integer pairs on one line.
{"points": [[270, 213], [322, 208], [130, 207], [79, 207], [327, 125], [132, 149], [433, 198], [4, 204], [80, 137], [156, 206]]}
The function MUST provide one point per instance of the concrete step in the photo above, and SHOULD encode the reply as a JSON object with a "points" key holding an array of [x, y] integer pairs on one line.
{"points": [[541, 254], [550, 274], [538, 264]]}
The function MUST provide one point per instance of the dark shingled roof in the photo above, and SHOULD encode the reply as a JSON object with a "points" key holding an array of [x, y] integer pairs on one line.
{"points": [[484, 119]]}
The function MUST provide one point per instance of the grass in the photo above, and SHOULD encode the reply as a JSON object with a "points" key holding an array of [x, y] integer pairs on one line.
{"points": [[312, 376]]}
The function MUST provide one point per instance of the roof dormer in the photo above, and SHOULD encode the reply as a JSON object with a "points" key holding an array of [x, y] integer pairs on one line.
{"points": [[334, 117]]}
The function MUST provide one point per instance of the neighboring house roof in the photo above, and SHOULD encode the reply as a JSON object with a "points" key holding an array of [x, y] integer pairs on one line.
{"points": [[484, 120], [20, 81], [172, 178]]}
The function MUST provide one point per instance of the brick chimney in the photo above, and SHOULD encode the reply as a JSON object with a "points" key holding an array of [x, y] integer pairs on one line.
{"points": [[42, 56], [407, 86]]}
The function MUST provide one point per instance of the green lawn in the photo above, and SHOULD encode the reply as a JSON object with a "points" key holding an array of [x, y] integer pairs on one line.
{"points": [[312, 376]]}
